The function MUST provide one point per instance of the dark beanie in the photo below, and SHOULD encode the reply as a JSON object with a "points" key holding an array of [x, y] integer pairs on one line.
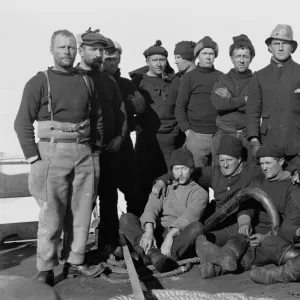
{"points": [[185, 49], [206, 42], [182, 156], [156, 49], [244, 41], [271, 151], [230, 145]]}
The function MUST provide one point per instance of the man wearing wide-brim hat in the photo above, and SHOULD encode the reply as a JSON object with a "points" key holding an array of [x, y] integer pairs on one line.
{"points": [[273, 107]]}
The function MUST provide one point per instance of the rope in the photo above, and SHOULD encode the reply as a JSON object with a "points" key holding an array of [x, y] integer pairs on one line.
{"points": [[188, 295]]}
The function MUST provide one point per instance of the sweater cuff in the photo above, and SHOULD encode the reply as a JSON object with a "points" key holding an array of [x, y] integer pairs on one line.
{"points": [[179, 223], [184, 126], [30, 151], [148, 217]]}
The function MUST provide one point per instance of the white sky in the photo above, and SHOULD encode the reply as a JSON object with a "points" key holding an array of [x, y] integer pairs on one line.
{"points": [[27, 26]]}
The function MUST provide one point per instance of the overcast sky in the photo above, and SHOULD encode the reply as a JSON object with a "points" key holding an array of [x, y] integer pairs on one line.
{"points": [[27, 26]]}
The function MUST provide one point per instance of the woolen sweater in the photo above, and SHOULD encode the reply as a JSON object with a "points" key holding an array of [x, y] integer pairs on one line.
{"points": [[231, 110], [70, 103], [194, 109], [182, 205]]}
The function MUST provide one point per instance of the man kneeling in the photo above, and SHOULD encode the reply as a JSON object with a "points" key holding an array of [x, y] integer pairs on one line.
{"points": [[171, 220]]}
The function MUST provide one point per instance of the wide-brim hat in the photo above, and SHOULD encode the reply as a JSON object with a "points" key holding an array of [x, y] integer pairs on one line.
{"points": [[282, 32]]}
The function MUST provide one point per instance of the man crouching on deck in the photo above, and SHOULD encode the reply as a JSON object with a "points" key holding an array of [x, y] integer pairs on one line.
{"points": [[171, 220]]}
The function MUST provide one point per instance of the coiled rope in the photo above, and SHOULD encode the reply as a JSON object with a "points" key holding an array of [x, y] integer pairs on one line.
{"points": [[119, 267], [188, 295]]}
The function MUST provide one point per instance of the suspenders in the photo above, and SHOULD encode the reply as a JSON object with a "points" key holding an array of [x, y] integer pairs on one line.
{"points": [[87, 83]]}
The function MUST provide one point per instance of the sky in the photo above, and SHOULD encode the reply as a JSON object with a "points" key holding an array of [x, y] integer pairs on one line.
{"points": [[27, 27]]}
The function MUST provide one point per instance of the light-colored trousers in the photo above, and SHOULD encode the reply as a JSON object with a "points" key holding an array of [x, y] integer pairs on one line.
{"points": [[64, 184]]}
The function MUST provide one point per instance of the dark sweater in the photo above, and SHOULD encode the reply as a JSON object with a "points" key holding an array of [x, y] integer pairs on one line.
{"points": [[194, 109], [70, 103], [134, 102], [160, 96], [231, 110], [111, 103]]}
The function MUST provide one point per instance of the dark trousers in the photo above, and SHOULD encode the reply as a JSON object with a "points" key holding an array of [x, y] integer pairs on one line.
{"points": [[271, 250], [108, 196], [183, 243], [127, 177], [153, 152]]}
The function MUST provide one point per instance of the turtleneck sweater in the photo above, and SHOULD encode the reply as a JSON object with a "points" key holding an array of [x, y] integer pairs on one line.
{"points": [[231, 110], [194, 109]]}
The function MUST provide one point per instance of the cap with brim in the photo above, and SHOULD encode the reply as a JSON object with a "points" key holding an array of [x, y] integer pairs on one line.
{"points": [[91, 37], [282, 32]]}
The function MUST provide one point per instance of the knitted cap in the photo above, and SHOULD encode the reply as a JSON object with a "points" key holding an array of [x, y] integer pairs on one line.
{"points": [[242, 40], [156, 49], [206, 42], [185, 49], [272, 151], [230, 145], [182, 156], [91, 37], [282, 32]]}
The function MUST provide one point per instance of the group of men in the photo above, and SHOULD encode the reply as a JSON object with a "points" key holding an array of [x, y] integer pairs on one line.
{"points": [[205, 126]]}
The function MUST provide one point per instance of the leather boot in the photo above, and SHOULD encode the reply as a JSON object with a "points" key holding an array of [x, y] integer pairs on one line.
{"points": [[289, 272], [46, 277], [232, 252], [209, 270], [206, 251], [84, 270], [161, 262]]}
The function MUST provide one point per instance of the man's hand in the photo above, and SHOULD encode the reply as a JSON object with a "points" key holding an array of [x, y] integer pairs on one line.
{"points": [[115, 144], [147, 241], [255, 145], [159, 188], [295, 177], [167, 245], [246, 98], [223, 93], [256, 239], [245, 229]]}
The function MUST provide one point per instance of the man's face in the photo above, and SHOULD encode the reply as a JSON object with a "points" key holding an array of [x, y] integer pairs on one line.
{"points": [[206, 58], [64, 51], [271, 166], [182, 64], [228, 164], [281, 50], [92, 55], [111, 61], [157, 63], [182, 173], [241, 59]]}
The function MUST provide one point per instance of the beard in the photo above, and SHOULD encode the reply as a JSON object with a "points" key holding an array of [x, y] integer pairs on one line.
{"points": [[96, 63]]}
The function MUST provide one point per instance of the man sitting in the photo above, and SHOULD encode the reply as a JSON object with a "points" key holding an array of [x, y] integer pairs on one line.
{"points": [[169, 221]]}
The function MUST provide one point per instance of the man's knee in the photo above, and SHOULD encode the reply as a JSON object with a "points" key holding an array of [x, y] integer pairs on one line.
{"points": [[127, 220], [195, 229]]}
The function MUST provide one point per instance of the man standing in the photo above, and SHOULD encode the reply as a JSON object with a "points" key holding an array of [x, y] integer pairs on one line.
{"points": [[134, 104], [194, 111], [65, 163], [184, 57], [91, 48], [273, 106], [230, 93], [157, 131]]}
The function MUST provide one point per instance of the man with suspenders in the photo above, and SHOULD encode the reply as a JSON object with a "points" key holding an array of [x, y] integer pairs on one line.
{"points": [[65, 162]]}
